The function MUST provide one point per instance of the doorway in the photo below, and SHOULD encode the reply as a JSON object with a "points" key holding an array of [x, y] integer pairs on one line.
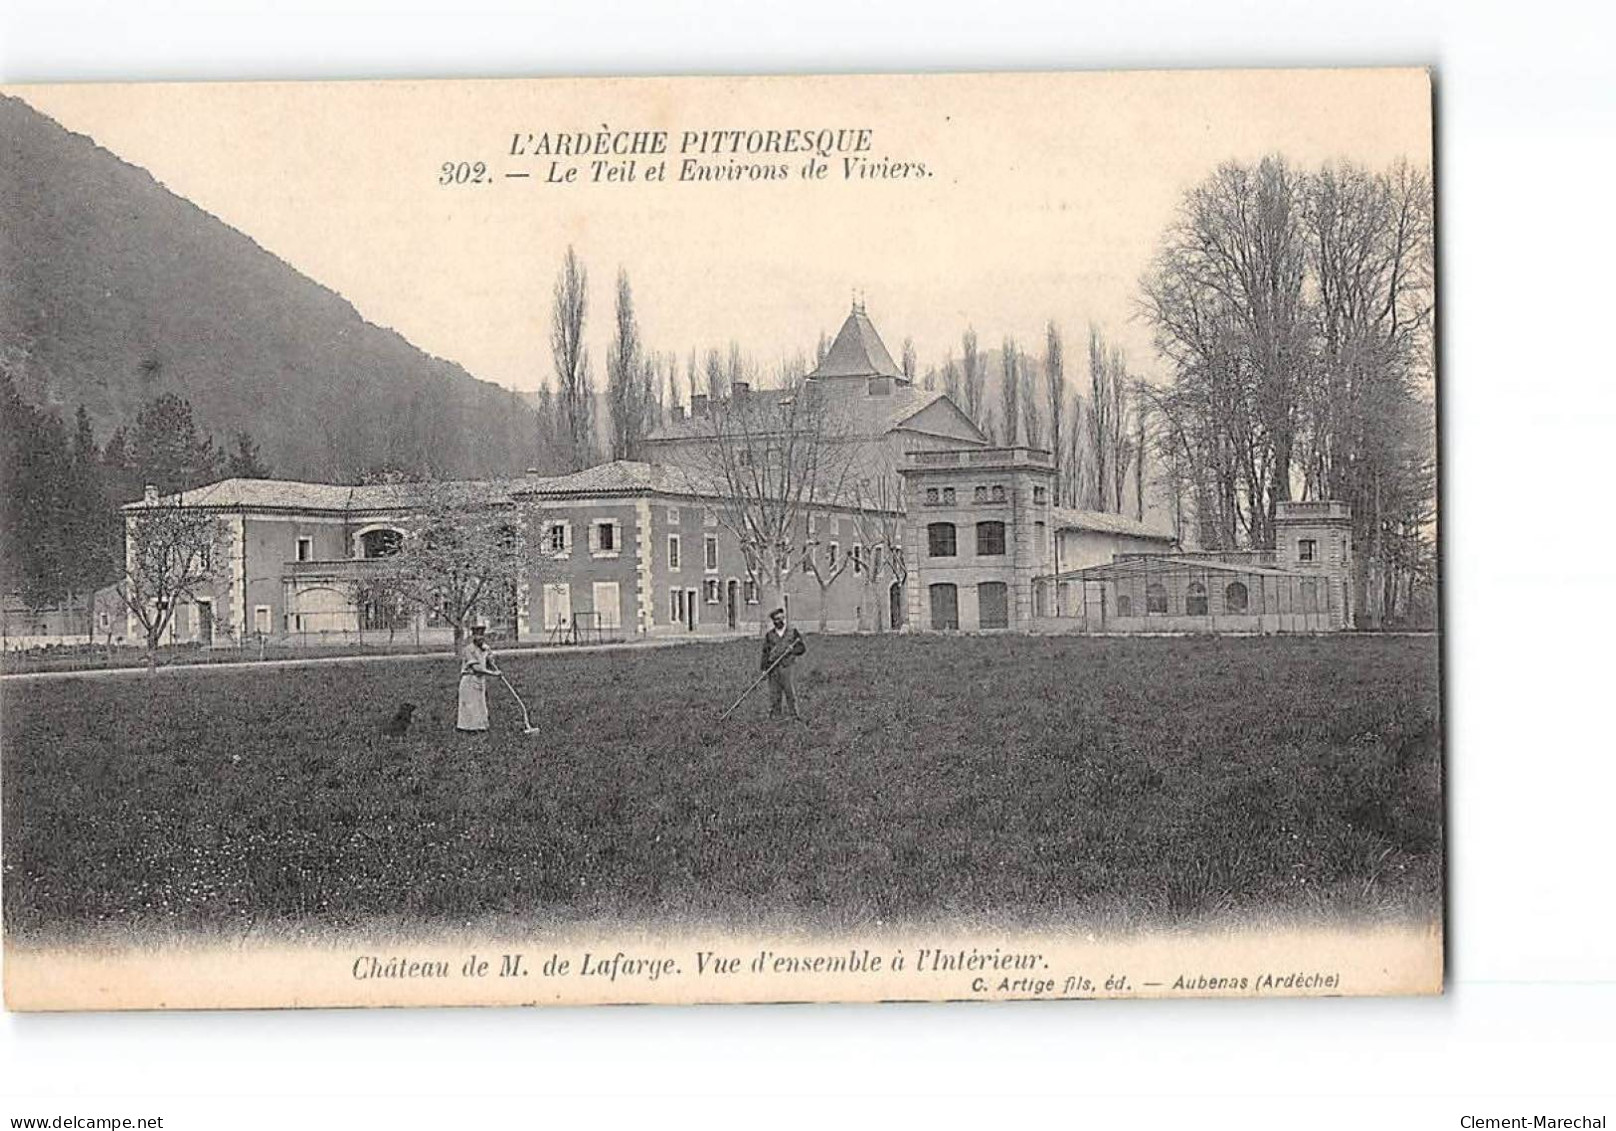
{"points": [[993, 604], [895, 605], [204, 623], [732, 599], [944, 607]]}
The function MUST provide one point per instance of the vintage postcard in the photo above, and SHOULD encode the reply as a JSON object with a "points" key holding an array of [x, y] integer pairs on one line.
{"points": [[720, 539]]}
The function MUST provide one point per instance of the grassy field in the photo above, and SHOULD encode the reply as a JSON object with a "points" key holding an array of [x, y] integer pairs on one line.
{"points": [[1006, 780]]}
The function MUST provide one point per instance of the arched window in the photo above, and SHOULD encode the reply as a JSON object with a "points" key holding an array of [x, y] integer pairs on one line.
{"points": [[989, 539], [1156, 598], [940, 540], [1235, 598], [383, 542], [1195, 600], [1124, 605]]}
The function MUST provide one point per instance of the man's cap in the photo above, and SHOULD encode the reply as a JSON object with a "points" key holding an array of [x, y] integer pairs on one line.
{"points": [[777, 612]]}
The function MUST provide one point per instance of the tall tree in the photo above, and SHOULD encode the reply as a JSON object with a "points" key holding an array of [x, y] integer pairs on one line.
{"points": [[1109, 446], [1226, 302], [1032, 417], [166, 448], [1010, 391], [1076, 462], [1366, 426], [629, 379], [973, 379], [575, 393], [953, 388], [246, 462], [910, 362], [1140, 447], [1055, 400]]}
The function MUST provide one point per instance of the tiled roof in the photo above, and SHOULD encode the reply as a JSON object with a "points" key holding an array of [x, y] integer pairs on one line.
{"points": [[857, 351], [617, 476], [627, 477], [868, 417], [288, 494], [1103, 522]]}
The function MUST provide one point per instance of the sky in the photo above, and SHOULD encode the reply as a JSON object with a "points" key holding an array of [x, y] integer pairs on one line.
{"points": [[1045, 197]]}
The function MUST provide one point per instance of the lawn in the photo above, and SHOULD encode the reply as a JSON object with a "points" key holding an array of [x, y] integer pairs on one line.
{"points": [[1003, 780]]}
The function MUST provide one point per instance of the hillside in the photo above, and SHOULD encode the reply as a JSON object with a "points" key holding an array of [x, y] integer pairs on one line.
{"points": [[114, 290]]}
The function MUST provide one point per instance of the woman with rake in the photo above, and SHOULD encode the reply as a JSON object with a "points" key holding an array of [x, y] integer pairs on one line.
{"points": [[476, 665]]}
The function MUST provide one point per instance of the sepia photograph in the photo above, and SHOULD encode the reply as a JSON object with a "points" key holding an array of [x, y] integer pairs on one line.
{"points": [[839, 538]]}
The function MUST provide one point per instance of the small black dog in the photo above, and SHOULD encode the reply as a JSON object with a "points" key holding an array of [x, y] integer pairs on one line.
{"points": [[399, 725]]}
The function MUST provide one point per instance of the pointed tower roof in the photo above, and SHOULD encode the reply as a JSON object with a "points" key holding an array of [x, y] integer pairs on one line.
{"points": [[857, 351]]}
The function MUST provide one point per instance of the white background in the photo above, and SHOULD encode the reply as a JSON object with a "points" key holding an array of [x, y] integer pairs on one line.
{"points": [[1525, 110]]}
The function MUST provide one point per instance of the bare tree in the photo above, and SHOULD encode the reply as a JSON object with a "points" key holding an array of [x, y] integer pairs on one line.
{"points": [[1055, 399], [1367, 432], [1109, 446], [910, 362], [713, 376], [1140, 447], [462, 556], [974, 379], [1076, 461], [1010, 391], [630, 379], [171, 553], [1123, 457], [952, 385], [878, 517], [774, 457], [575, 394], [1226, 302], [824, 560], [1032, 417], [1295, 310]]}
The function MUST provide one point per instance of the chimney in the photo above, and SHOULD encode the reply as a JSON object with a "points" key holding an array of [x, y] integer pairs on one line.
{"points": [[678, 412], [151, 494], [698, 404]]}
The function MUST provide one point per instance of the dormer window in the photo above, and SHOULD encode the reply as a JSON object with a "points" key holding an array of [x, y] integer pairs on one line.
{"points": [[880, 386]]}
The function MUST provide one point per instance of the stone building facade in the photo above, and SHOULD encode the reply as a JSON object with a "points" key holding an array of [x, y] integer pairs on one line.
{"points": [[967, 538]]}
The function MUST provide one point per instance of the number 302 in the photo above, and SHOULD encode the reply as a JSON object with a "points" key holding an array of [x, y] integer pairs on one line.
{"points": [[462, 173]]}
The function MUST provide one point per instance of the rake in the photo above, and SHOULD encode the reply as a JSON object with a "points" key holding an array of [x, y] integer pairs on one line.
{"points": [[755, 683], [527, 723]]}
